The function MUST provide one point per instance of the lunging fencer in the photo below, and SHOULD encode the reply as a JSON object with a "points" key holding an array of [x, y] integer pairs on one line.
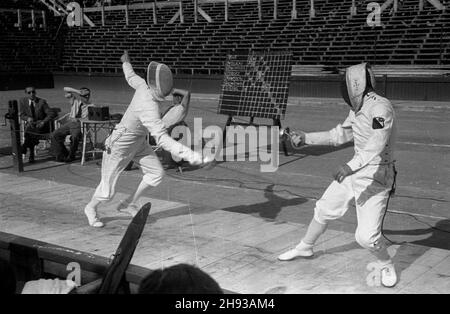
{"points": [[369, 177], [129, 140]]}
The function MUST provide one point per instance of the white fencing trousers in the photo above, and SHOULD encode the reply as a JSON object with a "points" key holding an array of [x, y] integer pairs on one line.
{"points": [[124, 148], [370, 188]]}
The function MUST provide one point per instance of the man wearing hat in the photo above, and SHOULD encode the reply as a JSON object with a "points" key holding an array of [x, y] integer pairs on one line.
{"points": [[79, 100]]}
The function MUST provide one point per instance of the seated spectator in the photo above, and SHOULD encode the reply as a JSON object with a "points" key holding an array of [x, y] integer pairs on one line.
{"points": [[8, 283], [35, 112], [71, 125], [48, 286], [179, 279], [178, 111]]}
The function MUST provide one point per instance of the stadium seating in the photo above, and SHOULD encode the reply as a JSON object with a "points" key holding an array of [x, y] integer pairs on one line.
{"points": [[332, 39], [27, 49]]}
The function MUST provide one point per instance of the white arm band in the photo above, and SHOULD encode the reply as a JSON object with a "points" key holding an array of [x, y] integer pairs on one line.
{"points": [[318, 138], [335, 137]]}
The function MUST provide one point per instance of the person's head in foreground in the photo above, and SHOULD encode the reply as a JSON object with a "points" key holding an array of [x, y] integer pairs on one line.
{"points": [[179, 279]]}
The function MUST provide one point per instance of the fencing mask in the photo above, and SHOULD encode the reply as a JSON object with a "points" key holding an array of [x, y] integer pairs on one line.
{"points": [[358, 81], [159, 78]]}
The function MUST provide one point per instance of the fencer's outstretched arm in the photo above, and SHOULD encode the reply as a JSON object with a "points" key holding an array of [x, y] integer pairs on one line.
{"points": [[339, 135], [383, 120], [150, 118]]}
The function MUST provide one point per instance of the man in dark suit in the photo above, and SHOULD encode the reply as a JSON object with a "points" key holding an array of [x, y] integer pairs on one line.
{"points": [[36, 114]]}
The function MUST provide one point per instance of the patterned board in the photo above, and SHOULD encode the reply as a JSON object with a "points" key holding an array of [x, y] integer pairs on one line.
{"points": [[256, 85]]}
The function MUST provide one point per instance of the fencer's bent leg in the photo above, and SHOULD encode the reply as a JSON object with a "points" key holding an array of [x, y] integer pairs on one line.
{"points": [[123, 147], [153, 173], [315, 230], [335, 201], [372, 196], [112, 167], [305, 247], [130, 204], [332, 205]]}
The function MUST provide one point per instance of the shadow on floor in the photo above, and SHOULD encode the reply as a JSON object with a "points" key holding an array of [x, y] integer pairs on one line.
{"points": [[269, 209], [439, 235], [407, 255]]}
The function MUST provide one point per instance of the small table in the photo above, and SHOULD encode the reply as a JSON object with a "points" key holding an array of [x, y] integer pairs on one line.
{"points": [[90, 129]]}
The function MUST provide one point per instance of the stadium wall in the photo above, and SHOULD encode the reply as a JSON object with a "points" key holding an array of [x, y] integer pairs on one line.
{"points": [[16, 81], [327, 86], [399, 88]]}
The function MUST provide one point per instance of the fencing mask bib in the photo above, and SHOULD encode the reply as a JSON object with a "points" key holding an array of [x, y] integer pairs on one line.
{"points": [[358, 81], [159, 78]]}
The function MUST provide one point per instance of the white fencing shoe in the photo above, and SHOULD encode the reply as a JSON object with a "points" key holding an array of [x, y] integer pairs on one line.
{"points": [[301, 250], [388, 275], [128, 208], [91, 215]]}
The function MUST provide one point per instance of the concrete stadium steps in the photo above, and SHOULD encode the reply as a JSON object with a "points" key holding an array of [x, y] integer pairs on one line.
{"points": [[331, 38], [28, 50]]}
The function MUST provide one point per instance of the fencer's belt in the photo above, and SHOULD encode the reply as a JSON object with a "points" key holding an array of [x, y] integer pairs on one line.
{"points": [[132, 130], [382, 163]]}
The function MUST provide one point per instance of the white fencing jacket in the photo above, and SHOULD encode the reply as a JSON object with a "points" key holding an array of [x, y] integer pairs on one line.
{"points": [[373, 130], [142, 116]]}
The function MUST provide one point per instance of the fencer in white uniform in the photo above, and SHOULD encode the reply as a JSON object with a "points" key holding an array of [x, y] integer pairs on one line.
{"points": [[129, 140], [176, 113], [367, 178]]}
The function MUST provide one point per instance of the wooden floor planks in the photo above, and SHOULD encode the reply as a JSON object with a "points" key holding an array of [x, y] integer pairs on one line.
{"points": [[239, 250]]}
